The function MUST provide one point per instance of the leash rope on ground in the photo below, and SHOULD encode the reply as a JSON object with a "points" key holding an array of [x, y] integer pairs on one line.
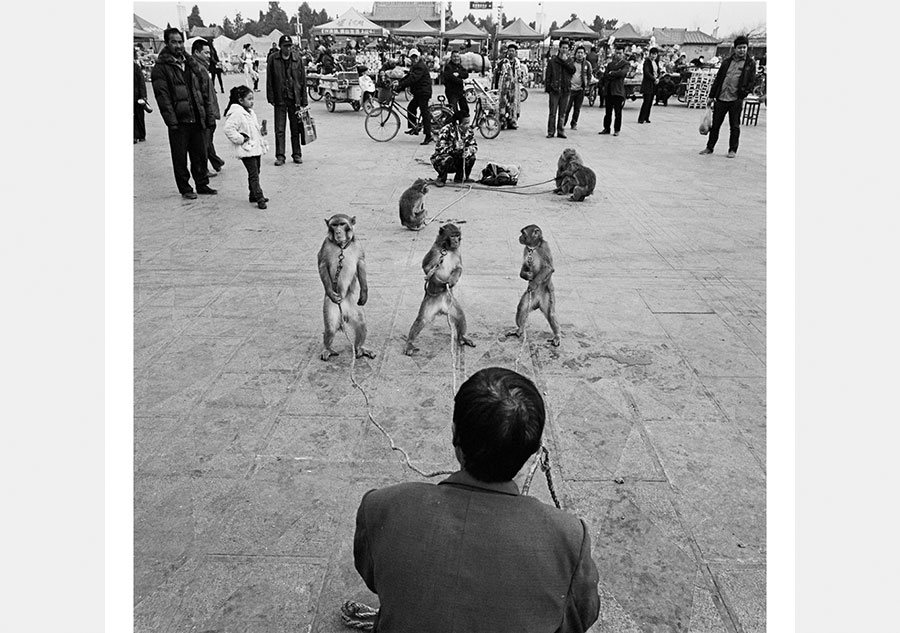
{"points": [[371, 417], [502, 190], [429, 221], [543, 460]]}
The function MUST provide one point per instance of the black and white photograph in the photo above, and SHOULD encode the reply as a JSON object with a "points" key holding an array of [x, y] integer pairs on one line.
{"points": [[451, 316]]}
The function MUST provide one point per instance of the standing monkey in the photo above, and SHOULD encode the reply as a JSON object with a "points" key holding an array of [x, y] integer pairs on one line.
{"points": [[442, 266], [342, 268], [537, 269]]}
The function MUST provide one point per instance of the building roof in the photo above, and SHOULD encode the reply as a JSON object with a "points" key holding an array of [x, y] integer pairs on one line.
{"points": [[627, 32], [390, 11], [669, 37], [575, 28], [518, 30], [415, 27]]}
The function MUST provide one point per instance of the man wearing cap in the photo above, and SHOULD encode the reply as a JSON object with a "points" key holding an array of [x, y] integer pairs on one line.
{"points": [[418, 80], [733, 82], [558, 84], [455, 150], [286, 91]]}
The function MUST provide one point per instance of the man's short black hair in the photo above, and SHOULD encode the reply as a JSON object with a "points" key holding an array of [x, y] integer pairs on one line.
{"points": [[498, 420], [199, 44], [581, 48], [170, 32]]}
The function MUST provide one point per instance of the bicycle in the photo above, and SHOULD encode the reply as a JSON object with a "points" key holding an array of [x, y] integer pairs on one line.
{"points": [[485, 117], [383, 122]]}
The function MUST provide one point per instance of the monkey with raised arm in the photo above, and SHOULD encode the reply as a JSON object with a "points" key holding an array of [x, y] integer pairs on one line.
{"points": [[442, 266], [342, 268], [412, 205], [537, 269]]}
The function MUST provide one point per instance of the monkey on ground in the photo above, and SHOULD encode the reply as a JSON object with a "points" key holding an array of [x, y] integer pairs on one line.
{"points": [[537, 269], [580, 181], [442, 266], [412, 205], [342, 268], [567, 160]]}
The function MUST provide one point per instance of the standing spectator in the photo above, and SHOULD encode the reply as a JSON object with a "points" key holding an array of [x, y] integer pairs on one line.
{"points": [[557, 83], [593, 57], [418, 80], [614, 76], [254, 72], [581, 82], [273, 50], [455, 150], [471, 553], [454, 76], [243, 130], [215, 67], [648, 84], [201, 52], [733, 82], [286, 91], [183, 100], [247, 64], [507, 77], [140, 98], [325, 61]]}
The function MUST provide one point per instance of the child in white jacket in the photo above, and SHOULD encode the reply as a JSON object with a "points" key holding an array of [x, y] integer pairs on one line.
{"points": [[243, 130]]}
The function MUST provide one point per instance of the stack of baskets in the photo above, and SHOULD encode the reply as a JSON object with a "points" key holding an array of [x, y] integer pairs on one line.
{"points": [[699, 83]]}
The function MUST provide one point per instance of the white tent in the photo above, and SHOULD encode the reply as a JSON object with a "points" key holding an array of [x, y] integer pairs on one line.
{"points": [[223, 46]]}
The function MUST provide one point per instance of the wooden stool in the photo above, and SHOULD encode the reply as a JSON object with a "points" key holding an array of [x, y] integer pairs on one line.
{"points": [[751, 112]]}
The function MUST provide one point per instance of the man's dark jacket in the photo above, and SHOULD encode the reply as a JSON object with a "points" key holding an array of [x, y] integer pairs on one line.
{"points": [[464, 555], [418, 79], [173, 88], [276, 79], [615, 74], [745, 81], [558, 76], [648, 86], [453, 78]]}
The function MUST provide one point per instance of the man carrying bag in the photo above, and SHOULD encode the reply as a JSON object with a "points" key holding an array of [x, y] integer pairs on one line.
{"points": [[286, 91]]}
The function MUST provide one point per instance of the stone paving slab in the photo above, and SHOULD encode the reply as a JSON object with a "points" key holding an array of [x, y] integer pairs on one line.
{"points": [[251, 454]]}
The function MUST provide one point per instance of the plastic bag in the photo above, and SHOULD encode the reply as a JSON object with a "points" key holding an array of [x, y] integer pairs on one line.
{"points": [[706, 123]]}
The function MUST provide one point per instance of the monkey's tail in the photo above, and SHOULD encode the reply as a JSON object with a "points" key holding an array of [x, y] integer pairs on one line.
{"points": [[371, 417]]}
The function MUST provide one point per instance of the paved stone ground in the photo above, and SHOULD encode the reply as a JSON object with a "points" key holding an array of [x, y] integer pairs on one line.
{"points": [[251, 454]]}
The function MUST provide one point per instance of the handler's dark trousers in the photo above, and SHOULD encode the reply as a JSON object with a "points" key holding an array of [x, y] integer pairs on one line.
{"points": [[282, 112], [420, 103], [458, 103], [646, 105], [556, 118], [733, 110], [613, 105], [576, 98], [189, 139]]}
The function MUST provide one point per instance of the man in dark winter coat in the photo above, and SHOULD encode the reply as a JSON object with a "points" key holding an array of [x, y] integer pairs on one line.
{"points": [[418, 80], [140, 97], [215, 67], [614, 80], [286, 91], [733, 82], [179, 84], [558, 83], [454, 76], [200, 50]]}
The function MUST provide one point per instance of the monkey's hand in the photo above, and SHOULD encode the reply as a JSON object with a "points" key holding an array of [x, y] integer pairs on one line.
{"points": [[335, 297], [363, 297]]}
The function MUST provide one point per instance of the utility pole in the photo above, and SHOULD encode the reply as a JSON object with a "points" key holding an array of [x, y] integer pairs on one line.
{"points": [[715, 32]]}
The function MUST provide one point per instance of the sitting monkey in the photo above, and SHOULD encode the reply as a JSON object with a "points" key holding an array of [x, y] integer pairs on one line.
{"points": [[442, 266], [342, 268], [567, 160], [580, 181], [537, 269], [412, 205]]}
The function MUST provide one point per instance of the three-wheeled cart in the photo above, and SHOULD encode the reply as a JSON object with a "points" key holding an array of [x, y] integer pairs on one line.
{"points": [[342, 87]]}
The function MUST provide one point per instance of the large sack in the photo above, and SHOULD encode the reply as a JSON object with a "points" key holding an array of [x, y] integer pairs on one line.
{"points": [[475, 62]]}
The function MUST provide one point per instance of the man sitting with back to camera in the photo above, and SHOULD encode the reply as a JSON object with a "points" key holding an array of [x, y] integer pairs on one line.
{"points": [[471, 553], [455, 150]]}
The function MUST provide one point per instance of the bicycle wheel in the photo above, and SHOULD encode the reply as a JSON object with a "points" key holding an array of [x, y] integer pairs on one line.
{"points": [[329, 103], [382, 124], [368, 104], [523, 95], [314, 93], [469, 94], [489, 126]]}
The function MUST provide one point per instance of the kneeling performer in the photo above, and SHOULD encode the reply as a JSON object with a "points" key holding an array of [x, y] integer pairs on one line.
{"points": [[455, 150], [442, 266]]}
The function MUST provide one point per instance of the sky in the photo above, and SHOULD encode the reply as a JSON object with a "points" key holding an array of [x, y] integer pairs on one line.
{"points": [[732, 16]]}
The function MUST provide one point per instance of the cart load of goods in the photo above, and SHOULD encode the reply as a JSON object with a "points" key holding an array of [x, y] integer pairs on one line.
{"points": [[473, 62]]}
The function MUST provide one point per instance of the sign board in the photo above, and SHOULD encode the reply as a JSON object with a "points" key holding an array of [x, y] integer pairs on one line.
{"points": [[481, 5]]}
